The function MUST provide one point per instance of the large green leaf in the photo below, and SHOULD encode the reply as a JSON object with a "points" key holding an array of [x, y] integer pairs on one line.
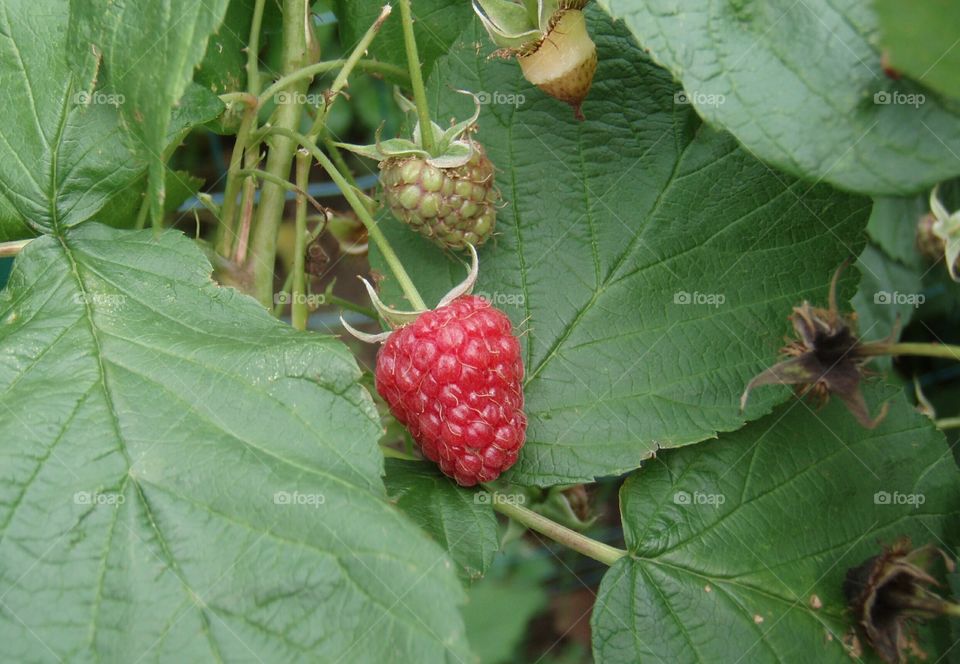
{"points": [[922, 40], [649, 261], [185, 478], [63, 151], [460, 520], [738, 549], [147, 54], [801, 85], [437, 24]]}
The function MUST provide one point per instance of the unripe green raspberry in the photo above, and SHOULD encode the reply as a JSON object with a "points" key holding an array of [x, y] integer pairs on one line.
{"points": [[453, 207]]}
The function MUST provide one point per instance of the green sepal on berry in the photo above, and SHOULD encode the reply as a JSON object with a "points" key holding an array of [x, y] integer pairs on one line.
{"points": [[396, 319], [549, 38], [454, 147], [946, 229], [446, 194]]}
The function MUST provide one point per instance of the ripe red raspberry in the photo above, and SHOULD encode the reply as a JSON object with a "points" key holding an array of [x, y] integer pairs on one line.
{"points": [[454, 377]]}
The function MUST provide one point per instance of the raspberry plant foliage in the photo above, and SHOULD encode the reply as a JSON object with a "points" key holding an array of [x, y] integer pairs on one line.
{"points": [[184, 477], [728, 60], [597, 246], [778, 592]]}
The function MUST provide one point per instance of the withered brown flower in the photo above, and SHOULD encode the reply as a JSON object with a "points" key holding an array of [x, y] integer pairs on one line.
{"points": [[826, 358], [889, 592]]}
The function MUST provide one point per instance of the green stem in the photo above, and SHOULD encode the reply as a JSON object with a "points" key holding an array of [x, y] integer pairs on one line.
{"points": [[286, 184], [373, 231], [338, 301], [8, 249], [278, 304], [341, 80], [263, 245], [416, 76], [298, 309], [591, 548], [207, 202], [580, 543], [309, 71], [948, 423], [233, 97], [227, 241], [226, 229], [337, 157], [141, 220], [246, 220], [916, 349], [253, 49]]}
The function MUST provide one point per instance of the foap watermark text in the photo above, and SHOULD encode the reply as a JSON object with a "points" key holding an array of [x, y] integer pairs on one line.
{"points": [[497, 98], [698, 98], [699, 498], [910, 299], [698, 298]]}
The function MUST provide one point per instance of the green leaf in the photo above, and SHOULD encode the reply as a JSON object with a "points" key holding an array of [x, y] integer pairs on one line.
{"points": [[508, 24], [149, 75], [801, 85], [181, 185], [186, 478], [889, 292], [734, 545], [223, 67], [508, 17], [437, 24], [12, 226], [893, 227], [457, 518], [648, 261], [63, 151], [922, 37], [197, 106]]}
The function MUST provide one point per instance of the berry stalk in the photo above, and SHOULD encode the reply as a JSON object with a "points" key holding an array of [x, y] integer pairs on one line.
{"points": [[547, 527], [406, 284], [281, 182], [310, 71], [915, 349], [416, 76], [226, 229], [253, 48], [591, 548], [341, 80], [298, 306]]}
